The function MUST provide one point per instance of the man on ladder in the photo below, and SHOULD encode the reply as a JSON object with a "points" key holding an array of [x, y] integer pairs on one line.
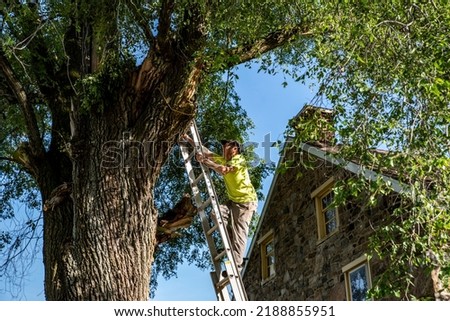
{"points": [[242, 201]]}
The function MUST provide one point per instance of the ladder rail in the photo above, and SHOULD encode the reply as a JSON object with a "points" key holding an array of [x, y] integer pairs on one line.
{"points": [[197, 197], [232, 280]]}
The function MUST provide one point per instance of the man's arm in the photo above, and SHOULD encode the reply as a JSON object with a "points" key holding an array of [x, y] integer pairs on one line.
{"points": [[207, 157], [221, 169], [205, 151]]}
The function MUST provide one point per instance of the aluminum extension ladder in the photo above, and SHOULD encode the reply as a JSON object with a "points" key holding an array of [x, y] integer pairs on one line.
{"points": [[226, 278]]}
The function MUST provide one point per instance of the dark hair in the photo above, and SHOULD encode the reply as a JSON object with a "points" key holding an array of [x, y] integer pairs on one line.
{"points": [[232, 143]]}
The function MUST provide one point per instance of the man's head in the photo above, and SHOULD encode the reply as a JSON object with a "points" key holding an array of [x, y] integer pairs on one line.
{"points": [[230, 148]]}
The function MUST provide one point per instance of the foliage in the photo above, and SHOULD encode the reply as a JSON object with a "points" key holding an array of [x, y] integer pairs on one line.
{"points": [[384, 70], [100, 89]]}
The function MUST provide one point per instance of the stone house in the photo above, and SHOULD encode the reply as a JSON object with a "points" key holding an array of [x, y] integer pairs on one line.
{"points": [[304, 250]]}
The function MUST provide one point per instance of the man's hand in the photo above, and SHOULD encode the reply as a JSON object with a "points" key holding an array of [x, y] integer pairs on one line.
{"points": [[187, 138], [227, 169], [200, 157]]}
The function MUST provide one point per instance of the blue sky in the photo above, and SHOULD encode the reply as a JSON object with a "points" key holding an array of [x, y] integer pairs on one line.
{"points": [[270, 106]]}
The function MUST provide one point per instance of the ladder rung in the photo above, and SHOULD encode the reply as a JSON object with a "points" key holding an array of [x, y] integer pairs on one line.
{"points": [[204, 204], [212, 229], [191, 155], [220, 255], [222, 283], [197, 179]]}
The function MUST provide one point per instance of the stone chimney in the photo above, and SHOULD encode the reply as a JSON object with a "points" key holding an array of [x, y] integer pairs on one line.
{"points": [[314, 124]]}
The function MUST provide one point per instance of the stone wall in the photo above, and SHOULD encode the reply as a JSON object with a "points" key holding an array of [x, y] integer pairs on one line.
{"points": [[305, 268]]}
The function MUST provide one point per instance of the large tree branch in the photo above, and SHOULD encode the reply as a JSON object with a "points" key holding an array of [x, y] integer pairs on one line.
{"points": [[192, 33], [26, 107], [238, 55], [174, 49], [165, 15], [180, 216]]}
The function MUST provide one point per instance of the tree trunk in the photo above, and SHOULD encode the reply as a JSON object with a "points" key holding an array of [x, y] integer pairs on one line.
{"points": [[117, 155], [114, 230], [114, 221], [99, 242]]}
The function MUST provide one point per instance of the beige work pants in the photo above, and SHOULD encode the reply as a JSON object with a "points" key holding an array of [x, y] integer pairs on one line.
{"points": [[237, 217]]}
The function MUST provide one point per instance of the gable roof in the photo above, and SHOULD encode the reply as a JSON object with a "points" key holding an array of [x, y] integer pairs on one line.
{"points": [[324, 152]]}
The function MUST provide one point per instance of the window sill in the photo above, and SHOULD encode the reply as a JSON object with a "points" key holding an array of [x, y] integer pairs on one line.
{"points": [[320, 241], [267, 280]]}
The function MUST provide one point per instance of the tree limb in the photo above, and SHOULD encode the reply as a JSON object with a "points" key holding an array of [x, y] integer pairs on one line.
{"points": [[59, 195], [27, 110], [180, 216], [165, 13], [273, 40]]}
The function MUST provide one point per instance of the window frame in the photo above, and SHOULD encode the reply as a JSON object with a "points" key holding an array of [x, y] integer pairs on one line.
{"points": [[318, 194], [263, 242], [353, 266]]}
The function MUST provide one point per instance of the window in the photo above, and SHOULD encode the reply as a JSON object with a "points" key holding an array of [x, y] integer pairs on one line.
{"points": [[327, 216], [357, 279], [267, 256]]}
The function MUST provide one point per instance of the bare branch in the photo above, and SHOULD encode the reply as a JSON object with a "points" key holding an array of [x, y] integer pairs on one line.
{"points": [[27, 110]]}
